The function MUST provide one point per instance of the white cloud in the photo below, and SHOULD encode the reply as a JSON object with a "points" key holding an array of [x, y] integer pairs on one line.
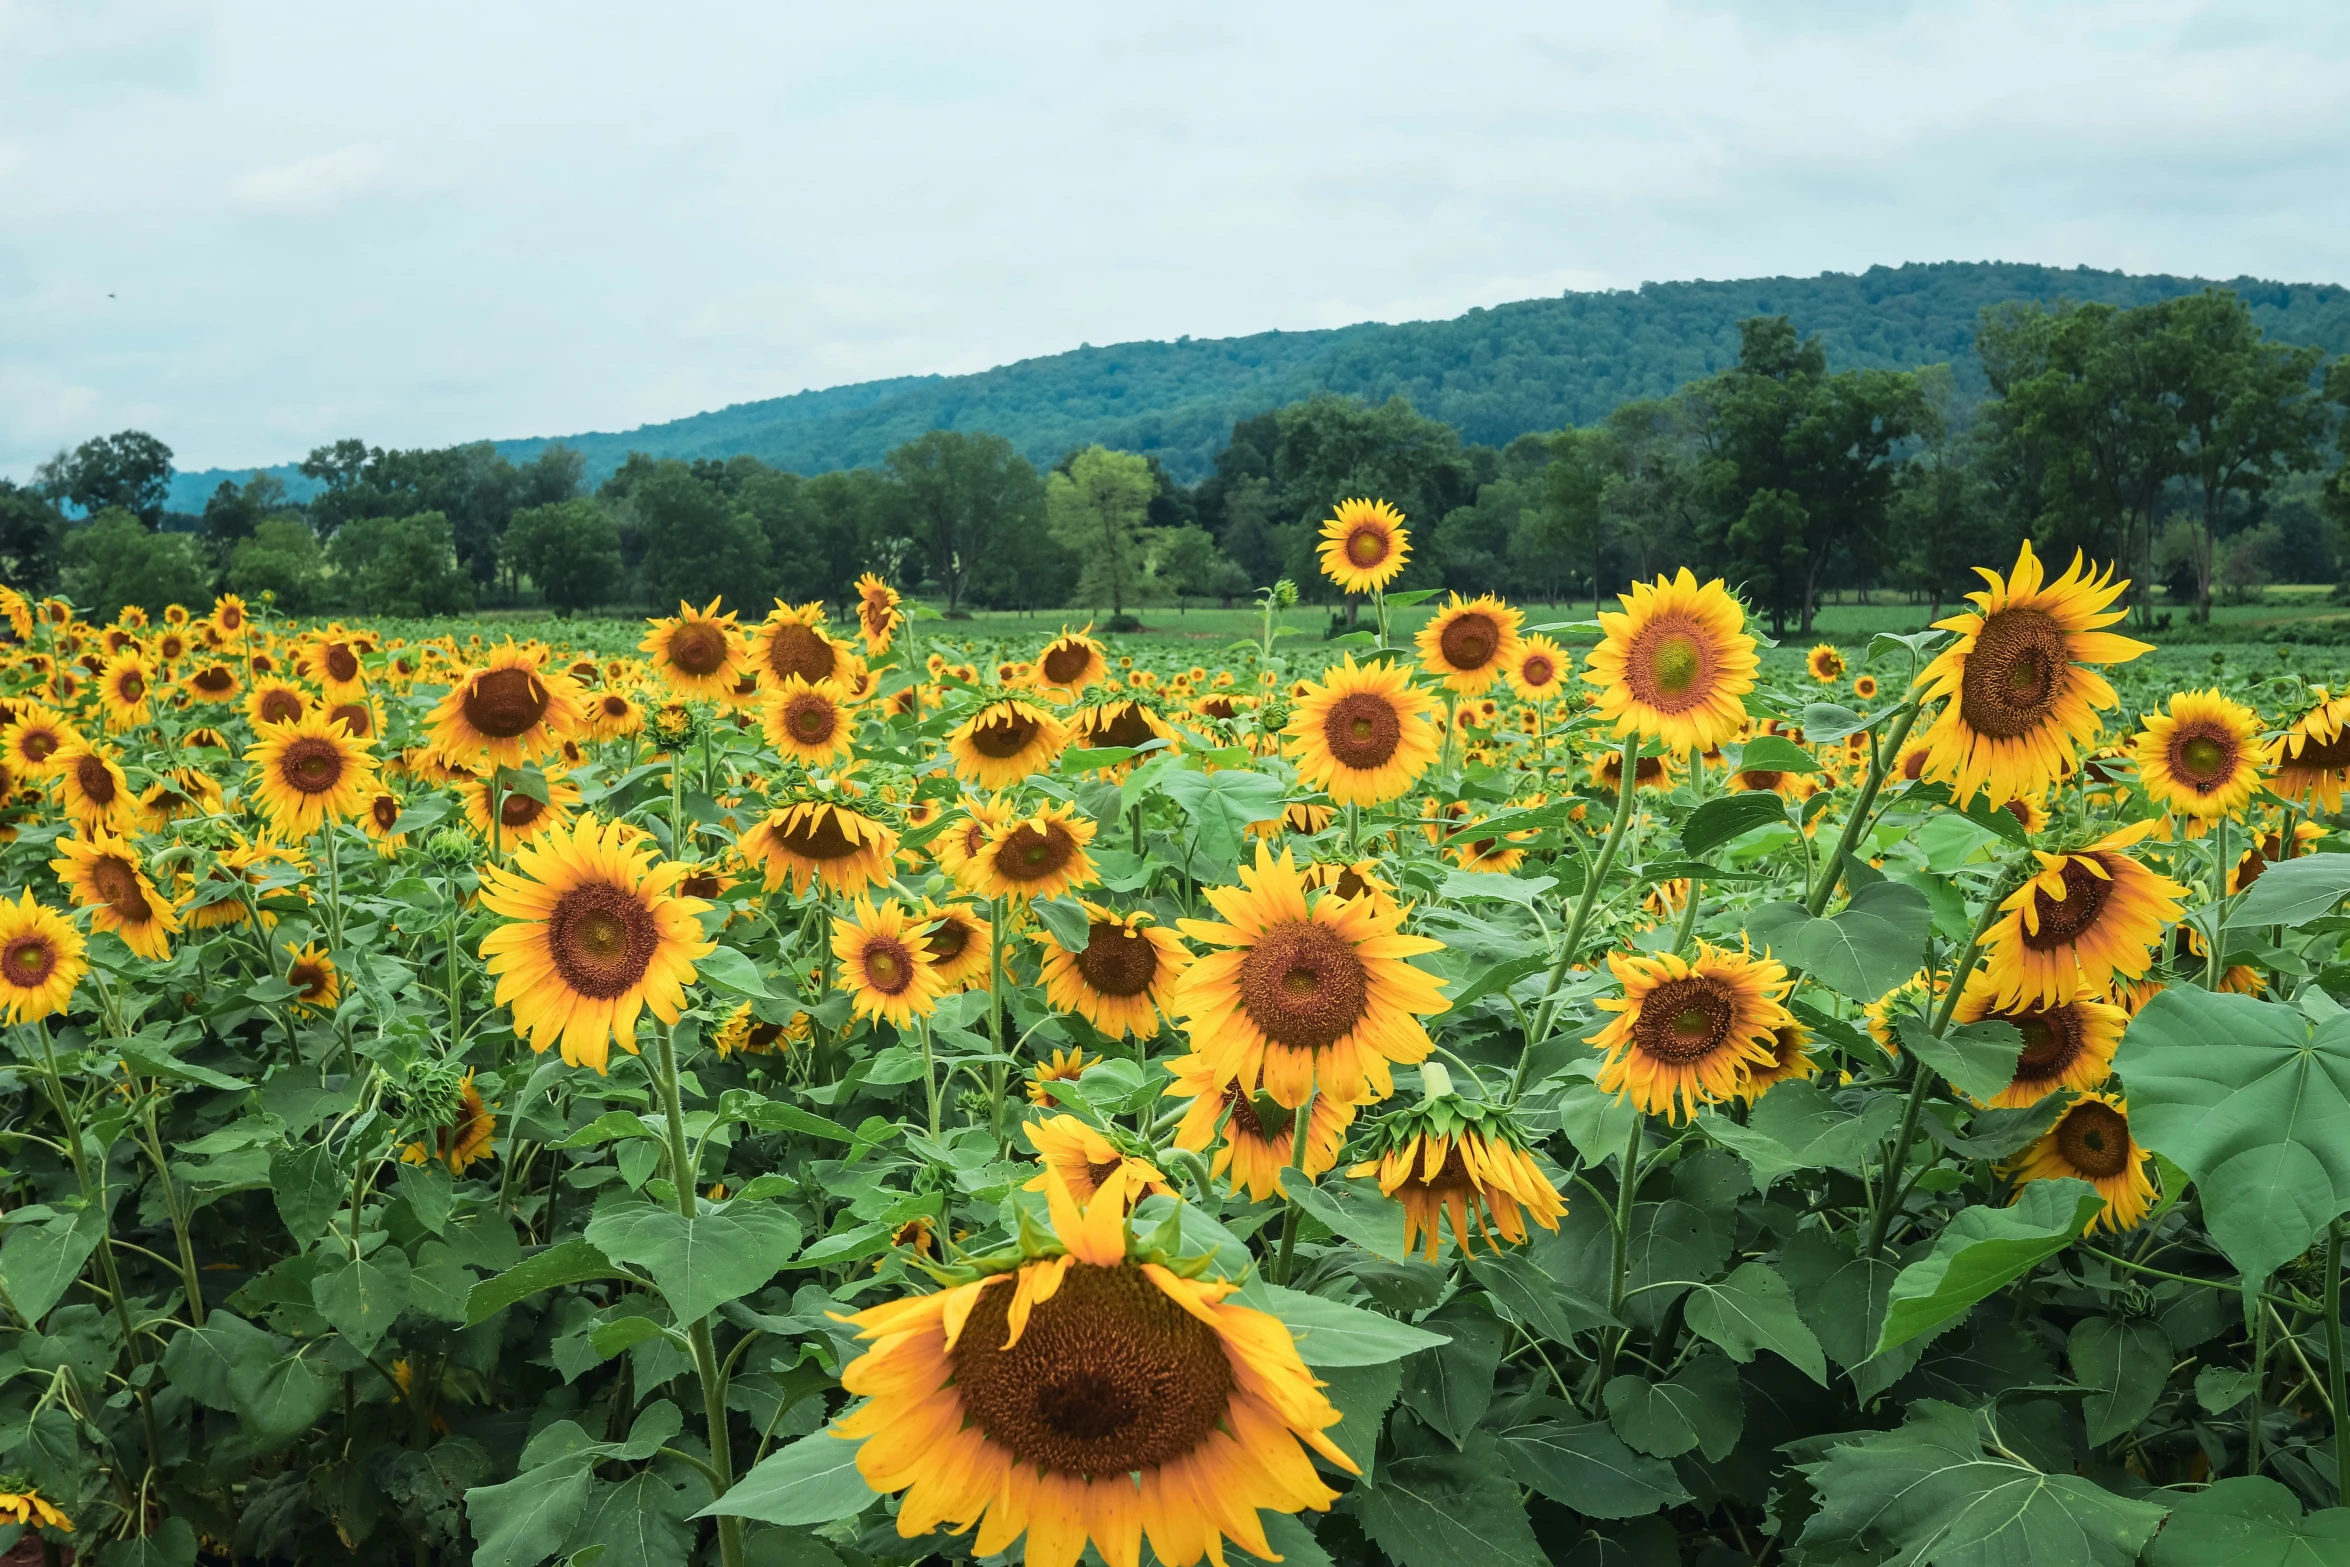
{"points": [[325, 182]]}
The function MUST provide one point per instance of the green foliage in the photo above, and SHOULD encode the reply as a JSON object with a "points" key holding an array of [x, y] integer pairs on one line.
{"points": [[113, 560], [1096, 505], [282, 557], [571, 550], [400, 566], [32, 540]]}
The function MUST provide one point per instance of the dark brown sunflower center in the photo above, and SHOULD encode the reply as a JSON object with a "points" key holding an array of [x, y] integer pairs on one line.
{"points": [[1118, 961], [1304, 985], [1366, 546], [1451, 1176], [2085, 895], [132, 686], [1257, 1118], [1096, 1174], [1029, 854], [1219, 707], [1350, 885], [354, 718], [810, 720], [309, 978], [697, 647], [279, 706], [117, 885], [889, 965], [1683, 1021], [815, 836], [615, 707], [1760, 778], [1538, 670], [602, 938], [794, 649], [519, 810], [342, 665], [311, 765], [1109, 1376], [504, 703], [96, 779], [2014, 675], [2095, 1140], [38, 745], [1469, 641], [1670, 665], [2203, 760], [1125, 726], [214, 680], [1362, 731], [28, 961], [1065, 661], [700, 885], [2329, 753], [1786, 1048], [2052, 1042], [1005, 735], [762, 1035], [231, 617], [946, 940], [386, 811]]}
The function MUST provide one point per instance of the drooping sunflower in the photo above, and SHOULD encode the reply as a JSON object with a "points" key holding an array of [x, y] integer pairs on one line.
{"points": [[1086, 1397], [310, 772], [1122, 976], [597, 936], [1449, 1157], [275, 701], [877, 613], [958, 945], [882, 968], [1254, 1137], [1790, 1049], [2089, 915], [2312, 757], [2066, 1045], [1062, 1066], [91, 790], [698, 653], [1539, 672], [1825, 664], [816, 841], [42, 958], [1037, 856], [30, 1507], [1304, 994], [1364, 545], [318, 989], [34, 739], [1004, 742], [1687, 1033], [463, 1140], [2202, 758], [806, 724], [104, 875], [1674, 665], [793, 642], [508, 710], [1363, 735], [126, 691], [521, 817], [1469, 642], [2091, 1142], [2019, 695], [1071, 662], [1088, 1163]]}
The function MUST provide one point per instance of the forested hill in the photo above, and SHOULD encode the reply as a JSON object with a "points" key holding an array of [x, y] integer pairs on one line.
{"points": [[1493, 373]]}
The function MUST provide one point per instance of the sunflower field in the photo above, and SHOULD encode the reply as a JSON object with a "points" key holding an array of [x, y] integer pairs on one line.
{"points": [[1488, 1094]]}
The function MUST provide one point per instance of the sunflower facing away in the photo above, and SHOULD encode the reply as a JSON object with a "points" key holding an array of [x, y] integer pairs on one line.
{"points": [[2202, 758], [1448, 1158], [1674, 665], [463, 1140], [2091, 1142], [1039, 856], [877, 613], [596, 936], [1088, 1163], [2088, 916], [881, 963], [1469, 642], [1686, 1032], [318, 990], [508, 711], [1254, 1136], [1004, 742], [1304, 994], [698, 653], [310, 772], [1071, 662], [1364, 545], [2019, 695], [818, 842], [1120, 979], [104, 875], [1364, 734], [2312, 757], [1088, 1397], [41, 960], [806, 724], [2067, 1045], [1825, 664]]}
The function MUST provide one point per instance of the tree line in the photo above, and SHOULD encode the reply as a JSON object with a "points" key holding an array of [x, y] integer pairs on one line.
{"points": [[2172, 436]]}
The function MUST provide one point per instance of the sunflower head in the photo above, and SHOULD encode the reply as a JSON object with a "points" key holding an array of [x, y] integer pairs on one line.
{"points": [[882, 965], [793, 641], [1004, 742], [2091, 1142], [877, 613], [698, 653], [1462, 1159], [1825, 664], [1469, 643], [42, 959], [2200, 760], [511, 709], [1119, 976], [1689, 1032], [1675, 665], [1038, 856], [310, 771], [1364, 734], [1364, 545]]}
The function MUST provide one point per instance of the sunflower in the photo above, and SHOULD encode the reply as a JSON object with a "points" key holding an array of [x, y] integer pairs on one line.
{"points": [[1766, 780], [180, 793], [877, 613], [1468, 643], [30, 1507], [1688, 1033], [596, 936], [1446, 1156], [1129, 724], [2020, 697], [91, 790], [1675, 665], [318, 989], [464, 1140], [1038, 856], [359, 716], [2201, 759], [1364, 734], [35, 739], [960, 842], [1539, 670], [958, 945], [793, 642], [1004, 742], [882, 968], [1254, 1136], [1648, 772], [2091, 1142], [818, 842], [309, 772], [1364, 545], [2264, 852], [126, 690], [612, 715], [383, 813], [1306, 993], [1062, 1066], [1085, 1397], [42, 958], [1825, 664], [1865, 687], [521, 817], [2312, 757], [1359, 879], [1071, 662], [275, 701], [103, 873], [214, 682], [746, 1033], [699, 653], [334, 664], [2067, 1045], [508, 710], [1087, 1163], [1790, 1048], [805, 723], [1121, 978], [2089, 915]]}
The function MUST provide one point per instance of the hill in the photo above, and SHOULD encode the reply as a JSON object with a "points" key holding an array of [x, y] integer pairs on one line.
{"points": [[1494, 373]]}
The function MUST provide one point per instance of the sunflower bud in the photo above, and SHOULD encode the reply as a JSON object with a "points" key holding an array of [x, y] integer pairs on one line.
{"points": [[452, 849], [1285, 594]]}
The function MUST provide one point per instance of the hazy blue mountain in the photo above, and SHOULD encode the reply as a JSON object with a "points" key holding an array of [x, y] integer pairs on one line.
{"points": [[1495, 373]]}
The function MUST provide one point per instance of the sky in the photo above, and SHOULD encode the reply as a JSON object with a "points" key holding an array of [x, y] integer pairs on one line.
{"points": [[253, 227]]}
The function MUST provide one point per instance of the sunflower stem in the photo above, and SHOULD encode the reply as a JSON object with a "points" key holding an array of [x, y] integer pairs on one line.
{"points": [[1300, 1119], [2215, 961], [1627, 1188], [2252, 1455], [1589, 898], [930, 1078], [1688, 925], [999, 1073], [2334, 1389], [681, 1174], [1863, 808]]}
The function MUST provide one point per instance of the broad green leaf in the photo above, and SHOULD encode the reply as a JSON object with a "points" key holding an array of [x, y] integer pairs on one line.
{"points": [[698, 1263], [1451, 1385], [285, 1400], [2123, 1363], [308, 1188], [38, 1261], [1772, 754], [1979, 1058], [812, 1480], [774, 1116], [1858, 953], [1983, 1250], [1751, 1310], [1532, 1297], [2254, 1103], [1222, 805], [150, 1057], [641, 1522], [1450, 1510], [172, 1544], [1797, 1125], [2221, 1388], [611, 1126], [365, 1296], [1499, 977], [1067, 921], [522, 1522], [2294, 892], [1355, 1210], [1672, 1244], [1729, 816], [731, 971], [1824, 722], [1698, 1406], [1843, 1298], [1362, 1395], [2250, 1521], [1586, 1466], [570, 1262], [1333, 1333], [212, 1362]]}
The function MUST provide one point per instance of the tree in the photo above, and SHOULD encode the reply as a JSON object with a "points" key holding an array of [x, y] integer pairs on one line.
{"points": [[113, 560], [130, 470], [282, 557], [1095, 509], [1190, 566], [32, 540], [571, 549], [693, 542], [401, 566], [1574, 512], [233, 512], [965, 494]]}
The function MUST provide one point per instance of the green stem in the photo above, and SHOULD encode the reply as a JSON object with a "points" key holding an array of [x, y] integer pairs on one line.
{"points": [[930, 1077], [681, 1174], [1619, 1263], [999, 1073], [1688, 925], [1300, 1119], [2334, 1376], [1588, 899], [1863, 807], [2215, 960], [2252, 1455]]}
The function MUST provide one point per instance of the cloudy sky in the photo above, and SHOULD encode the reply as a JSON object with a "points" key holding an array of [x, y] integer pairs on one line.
{"points": [[251, 227]]}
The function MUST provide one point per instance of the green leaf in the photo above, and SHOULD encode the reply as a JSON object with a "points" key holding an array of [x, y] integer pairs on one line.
{"points": [[364, 1297], [210, 1363], [1798, 1125], [1362, 1395], [2123, 1363], [2294, 892], [1355, 1210], [1584, 1465], [1931, 1493], [570, 1262], [731, 971], [2221, 1388], [38, 1262], [2250, 1521], [2254, 1103], [1772, 754], [812, 1480], [1411, 596], [1982, 1251], [1730, 816], [151, 1058], [1532, 1297], [1825, 722], [308, 1187], [1979, 1058], [285, 1400], [520, 1523], [1858, 953], [641, 1522], [1333, 1333], [1497, 977], [1222, 805], [173, 1544], [1698, 1406], [1451, 1385], [1751, 1310], [1843, 1298], [699, 1263], [773, 1116], [1450, 1510], [1067, 921]]}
